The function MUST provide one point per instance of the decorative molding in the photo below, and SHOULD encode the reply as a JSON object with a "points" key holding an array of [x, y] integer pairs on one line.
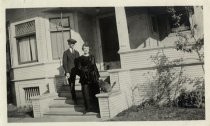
{"points": [[153, 67], [143, 50], [109, 94], [40, 78]]}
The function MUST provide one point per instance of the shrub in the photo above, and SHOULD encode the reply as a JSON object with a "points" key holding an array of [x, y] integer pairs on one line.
{"points": [[192, 99], [163, 85], [24, 111]]}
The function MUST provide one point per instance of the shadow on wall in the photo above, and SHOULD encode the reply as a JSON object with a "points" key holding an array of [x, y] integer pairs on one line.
{"points": [[60, 79], [147, 27], [10, 74]]}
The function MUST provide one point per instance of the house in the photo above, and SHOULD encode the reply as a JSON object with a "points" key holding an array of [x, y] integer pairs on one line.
{"points": [[122, 39]]}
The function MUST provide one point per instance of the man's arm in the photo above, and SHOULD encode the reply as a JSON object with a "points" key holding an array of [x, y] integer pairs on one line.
{"points": [[65, 61]]}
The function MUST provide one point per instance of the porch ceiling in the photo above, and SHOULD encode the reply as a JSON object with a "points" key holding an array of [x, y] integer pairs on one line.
{"points": [[93, 11]]}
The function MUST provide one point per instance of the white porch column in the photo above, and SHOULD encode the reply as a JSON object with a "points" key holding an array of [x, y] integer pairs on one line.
{"points": [[122, 28], [198, 19]]}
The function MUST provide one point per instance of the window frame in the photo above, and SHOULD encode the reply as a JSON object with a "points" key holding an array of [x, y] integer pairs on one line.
{"points": [[172, 29], [17, 37], [54, 30], [18, 49]]}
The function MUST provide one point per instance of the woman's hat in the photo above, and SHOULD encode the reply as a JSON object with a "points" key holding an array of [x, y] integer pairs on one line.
{"points": [[72, 41]]}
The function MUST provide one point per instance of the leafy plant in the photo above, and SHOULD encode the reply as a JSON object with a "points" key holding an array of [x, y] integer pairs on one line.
{"points": [[191, 43], [195, 98], [163, 84], [188, 43]]}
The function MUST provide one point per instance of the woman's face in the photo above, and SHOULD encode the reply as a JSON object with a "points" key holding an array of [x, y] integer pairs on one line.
{"points": [[86, 49]]}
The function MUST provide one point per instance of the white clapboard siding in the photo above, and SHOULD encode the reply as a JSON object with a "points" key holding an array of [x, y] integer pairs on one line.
{"points": [[114, 78], [142, 58]]}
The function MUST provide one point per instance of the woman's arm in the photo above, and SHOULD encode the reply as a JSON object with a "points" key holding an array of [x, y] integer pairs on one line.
{"points": [[94, 67]]}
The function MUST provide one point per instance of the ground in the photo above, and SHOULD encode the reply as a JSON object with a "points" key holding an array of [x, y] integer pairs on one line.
{"points": [[25, 114], [152, 113], [135, 113], [21, 112]]}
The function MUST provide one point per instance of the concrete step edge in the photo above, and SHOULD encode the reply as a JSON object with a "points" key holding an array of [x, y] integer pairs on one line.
{"points": [[54, 113], [66, 106]]}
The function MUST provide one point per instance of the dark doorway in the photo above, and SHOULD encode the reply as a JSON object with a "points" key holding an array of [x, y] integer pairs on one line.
{"points": [[110, 43]]}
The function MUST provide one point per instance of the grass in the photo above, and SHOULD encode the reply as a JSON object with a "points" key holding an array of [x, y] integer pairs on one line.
{"points": [[20, 112], [152, 113]]}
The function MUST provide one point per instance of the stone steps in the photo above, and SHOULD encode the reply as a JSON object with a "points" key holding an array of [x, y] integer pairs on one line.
{"points": [[66, 108], [64, 100], [67, 94], [69, 113], [67, 87], [63, 105]]}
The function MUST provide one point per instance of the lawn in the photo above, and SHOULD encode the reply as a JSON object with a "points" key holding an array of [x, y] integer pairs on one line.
{"points": [[151, 113], [21, 112]]}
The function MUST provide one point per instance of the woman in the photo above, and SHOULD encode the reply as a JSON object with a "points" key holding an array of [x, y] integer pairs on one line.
{"points": [[89, 79]]}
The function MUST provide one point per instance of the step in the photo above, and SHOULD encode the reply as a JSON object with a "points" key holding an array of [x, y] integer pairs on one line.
{"points": [[66, 108], [103, 73], [59, 118], [64, 105], [68, 94], [67, 88], [64, 100], [67, 113]]}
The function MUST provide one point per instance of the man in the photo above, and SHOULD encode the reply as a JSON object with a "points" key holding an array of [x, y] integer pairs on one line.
{"points": [[71, 71]]}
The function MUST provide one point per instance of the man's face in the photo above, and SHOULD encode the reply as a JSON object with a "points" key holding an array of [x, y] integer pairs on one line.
{"points": [[71, 45]]}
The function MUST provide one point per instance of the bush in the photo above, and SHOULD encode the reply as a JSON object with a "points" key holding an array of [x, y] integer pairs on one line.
{"points": [[24, 111], [193, 99], [148, 103]]}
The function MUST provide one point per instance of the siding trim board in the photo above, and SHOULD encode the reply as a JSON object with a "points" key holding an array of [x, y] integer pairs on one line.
{"points": [[153, 67], [28, 65], [184, 64], [40, 78], [143, 50], [36, 64]]}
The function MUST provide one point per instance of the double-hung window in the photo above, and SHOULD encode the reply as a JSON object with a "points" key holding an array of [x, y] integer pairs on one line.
{"points": [[60, 33], [26, 42]]}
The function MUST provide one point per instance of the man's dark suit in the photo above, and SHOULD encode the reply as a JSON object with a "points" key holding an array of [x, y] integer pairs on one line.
{"points": [[69, 67]]}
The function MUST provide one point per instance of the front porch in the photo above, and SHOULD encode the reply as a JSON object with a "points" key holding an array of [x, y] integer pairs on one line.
{"points": [[122, 40]]}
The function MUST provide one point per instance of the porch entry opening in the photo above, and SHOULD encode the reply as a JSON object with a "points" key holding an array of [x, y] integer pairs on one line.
{"points": [[110, 43]]}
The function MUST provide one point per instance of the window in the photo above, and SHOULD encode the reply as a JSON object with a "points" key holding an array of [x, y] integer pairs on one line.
{"points": [[184, 20], [60, 32], [164, 24], [26, 42]]}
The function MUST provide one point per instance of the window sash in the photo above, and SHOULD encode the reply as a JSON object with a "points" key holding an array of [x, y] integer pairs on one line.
{"points": [[27, 49], [59, 36], [59, 43], [55, 23]]}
